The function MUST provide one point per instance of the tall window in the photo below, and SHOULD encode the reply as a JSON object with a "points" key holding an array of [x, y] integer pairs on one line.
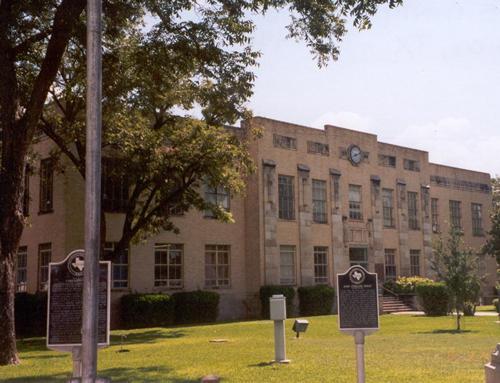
{"points": [[319, 201], [477, 219], [168, 265], [412, 211], [388, 207], [390, 264], [455, 214], [435, 215], [358, 256], [320, 264], [414, 262], [286, 197], [287, 265], [217, 259], [22, 269], [119, 265], [115, 186], [44, 255], [46, 185], [218, 196], [355, 211], [26, 195]]}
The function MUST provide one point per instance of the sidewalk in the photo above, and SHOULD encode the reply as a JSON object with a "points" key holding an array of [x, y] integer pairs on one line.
{"points": [[478, 313]]}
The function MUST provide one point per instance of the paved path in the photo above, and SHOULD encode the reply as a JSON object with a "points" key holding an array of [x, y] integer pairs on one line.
{"points": [[478, 313]]}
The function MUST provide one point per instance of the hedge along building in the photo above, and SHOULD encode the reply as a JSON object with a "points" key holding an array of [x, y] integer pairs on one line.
{"points": [[320, 201]]}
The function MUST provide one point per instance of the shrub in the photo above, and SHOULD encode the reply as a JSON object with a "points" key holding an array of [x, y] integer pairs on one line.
{"points": [[31, 314], [196, 306], [469, 309], [316, 300], [146, 310], [268, 291], [496, 303], [405, 285], [433, 297]]}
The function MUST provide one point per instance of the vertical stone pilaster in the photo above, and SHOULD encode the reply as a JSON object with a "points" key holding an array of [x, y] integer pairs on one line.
{"points": [[427, 230], [339, 253], [271, 250], [376, 262], [306, 257], [402, 206]]}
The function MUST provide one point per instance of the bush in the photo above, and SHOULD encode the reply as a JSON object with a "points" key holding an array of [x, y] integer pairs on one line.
{"points": [[496, 303], [433, 297], [469, 309], [316, 300], [31, 314], [268, 291], [405, 285], [196, 306], [146, 310]]}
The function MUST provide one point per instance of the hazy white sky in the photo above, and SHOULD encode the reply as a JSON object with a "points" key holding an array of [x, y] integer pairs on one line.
{"points": [[427, 75]]}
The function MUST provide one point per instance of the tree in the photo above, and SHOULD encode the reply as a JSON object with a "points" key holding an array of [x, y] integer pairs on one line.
{"points": [[457, 267], [492, 245], [36, 36]]}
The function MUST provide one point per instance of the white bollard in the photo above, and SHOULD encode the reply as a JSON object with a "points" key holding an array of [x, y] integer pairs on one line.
{"points": [[277, 310]]}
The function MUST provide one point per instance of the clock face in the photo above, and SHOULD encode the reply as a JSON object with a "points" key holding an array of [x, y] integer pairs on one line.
{"points": [[355, 154]]}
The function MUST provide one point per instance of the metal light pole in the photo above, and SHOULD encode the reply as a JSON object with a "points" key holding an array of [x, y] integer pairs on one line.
{"points": [[92, 193]]}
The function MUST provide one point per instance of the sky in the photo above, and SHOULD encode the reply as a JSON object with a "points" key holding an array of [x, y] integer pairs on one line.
{"points": [[426, 75]]}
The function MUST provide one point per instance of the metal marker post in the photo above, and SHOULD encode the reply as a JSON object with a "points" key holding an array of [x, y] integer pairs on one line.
{"points": [[92, 193], [359, 340]]}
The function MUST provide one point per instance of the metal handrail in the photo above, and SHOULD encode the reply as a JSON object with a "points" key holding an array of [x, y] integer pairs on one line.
{"points": [[390, 291]]}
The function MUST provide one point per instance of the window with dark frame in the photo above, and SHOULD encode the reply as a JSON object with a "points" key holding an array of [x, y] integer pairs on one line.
{"points": [[217, 266], [358, 256], [386, 160], [319, 201], [477, 219], [119, 265], [286, 197], [318, 148], [388, 207], [413, 211], [456, 214], [435, 215], [355, 201], [44, 257], [284, 142], [390, 264], [412, 165], [414, 263], [115, 186], [320, 264], [168, 265], [46, 185], [287, 265], [26, 194], [218, 196], [22, 269]]}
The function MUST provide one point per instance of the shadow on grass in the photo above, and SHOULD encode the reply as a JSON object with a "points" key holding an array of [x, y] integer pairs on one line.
{"points": [[261, 364], [447, 332], [31, 344], [146, 336]]}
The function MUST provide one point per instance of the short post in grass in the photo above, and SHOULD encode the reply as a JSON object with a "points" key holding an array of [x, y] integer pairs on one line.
{"points": [[357, 302], [277, 310]]}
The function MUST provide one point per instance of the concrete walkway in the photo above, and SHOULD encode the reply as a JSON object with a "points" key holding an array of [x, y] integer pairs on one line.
{"points": [[478, 313]]}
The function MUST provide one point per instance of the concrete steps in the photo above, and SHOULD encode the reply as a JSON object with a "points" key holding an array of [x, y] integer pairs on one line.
{"points": [[391, 304]]}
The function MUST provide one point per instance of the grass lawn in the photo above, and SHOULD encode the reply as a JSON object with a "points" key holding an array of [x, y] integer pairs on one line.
{"points": [[406, 349], [486, 308]]}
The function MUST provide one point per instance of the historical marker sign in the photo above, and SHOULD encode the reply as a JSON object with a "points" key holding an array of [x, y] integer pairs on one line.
{"points": [[357, 295], [64, 311]]}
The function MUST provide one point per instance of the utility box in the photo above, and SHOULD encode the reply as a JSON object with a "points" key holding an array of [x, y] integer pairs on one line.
{"points": [[277, 307]]}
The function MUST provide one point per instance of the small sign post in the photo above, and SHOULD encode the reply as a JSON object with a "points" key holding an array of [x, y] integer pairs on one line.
{"points": [[357, 302], [64, 309]]}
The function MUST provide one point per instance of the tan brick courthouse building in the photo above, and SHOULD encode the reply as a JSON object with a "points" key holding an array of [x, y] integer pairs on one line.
{"points": [[320, 201]]}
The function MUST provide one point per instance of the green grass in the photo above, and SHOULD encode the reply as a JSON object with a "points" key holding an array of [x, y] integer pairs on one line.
{"points": [[486, 308], [406, 349]]}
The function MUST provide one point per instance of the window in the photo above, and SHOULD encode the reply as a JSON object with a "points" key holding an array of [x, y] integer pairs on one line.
{"points": [[358, 256], [22, 269], [286, 197], [317, 148], [477, 219], [217, 266], [287, 265], [284, 142], [411, 165], [320, 264], [385, 160], [388, 207], [26, 195], [435, 215], [319, 201], [46, 185], [412, 211], [44, 255], [218, 196], [115, 186], [119, 265], [168, 265], [390, 264], [414, 262], [455, 214], [355, 202]]}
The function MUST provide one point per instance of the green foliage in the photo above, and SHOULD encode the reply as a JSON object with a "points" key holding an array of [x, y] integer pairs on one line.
{"points": [[31, 314], [146, 310], [492, 245], [434, 298], [405, 285], [496, 303], [316, 300], [196, 306], [268, 291]]}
